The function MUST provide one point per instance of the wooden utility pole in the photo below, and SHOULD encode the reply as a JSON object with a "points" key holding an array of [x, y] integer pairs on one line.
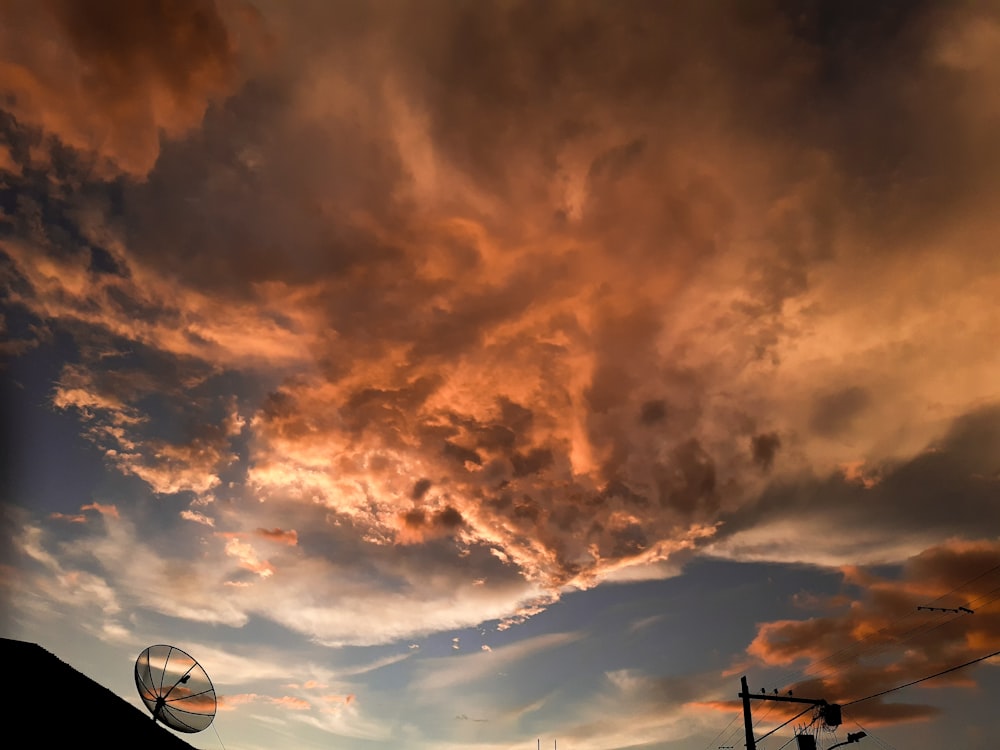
{"points": [[830, 711], [747, 720]]}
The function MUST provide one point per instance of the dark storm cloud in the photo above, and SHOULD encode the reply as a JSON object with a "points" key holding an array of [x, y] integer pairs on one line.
{"points": [[113, 75], [653, 411], [535, 275], [763, 448], [259, 196], [420, 488], [129, 43], [888, 137], [947, 491], [833, 413], [447, 519], [518, 77], [851, 79], [529, 76]]}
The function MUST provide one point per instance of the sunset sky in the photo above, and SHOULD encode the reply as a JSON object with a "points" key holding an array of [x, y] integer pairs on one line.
{"points": [[457, 374]]}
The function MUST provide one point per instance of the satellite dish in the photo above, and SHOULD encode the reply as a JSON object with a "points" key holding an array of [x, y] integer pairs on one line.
{"points": [[175, 688]]}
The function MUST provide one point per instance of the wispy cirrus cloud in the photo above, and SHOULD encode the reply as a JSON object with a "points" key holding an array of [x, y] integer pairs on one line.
{"points": [[472, 667]]}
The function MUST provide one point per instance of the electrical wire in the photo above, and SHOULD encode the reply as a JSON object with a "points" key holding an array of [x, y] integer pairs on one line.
{"points": [[922, 679], [792, 738], [737, 730], [735, 733], [218, 736], [764, 715], [854, 652], [971, 580], [716, 739], [835, 665], [859, 650], [975, 602], [912, 634], [804, 710], [732, 737], [879, 740]]}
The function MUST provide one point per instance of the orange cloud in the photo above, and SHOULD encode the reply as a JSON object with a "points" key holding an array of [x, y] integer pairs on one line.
{"points": [[289, 537], [104, 510], [288, 701], [102, 400], [308, 685], [614, 325], [193, 515], [247, 556], [116, 77], [343, 699], [231, 702]]}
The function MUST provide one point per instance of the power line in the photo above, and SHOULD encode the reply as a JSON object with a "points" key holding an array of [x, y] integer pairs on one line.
{"points": [[730, 737], [891, 690], [792, 738], [971, 580], [881, 742], [861, 649], [854, 652], [922, 679], [988, 601], [913, 633], [716, 738], [804, 710], [764, 716]]}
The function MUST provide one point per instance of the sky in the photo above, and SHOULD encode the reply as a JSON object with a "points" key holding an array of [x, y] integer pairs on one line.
{"points": [[495, 374]]}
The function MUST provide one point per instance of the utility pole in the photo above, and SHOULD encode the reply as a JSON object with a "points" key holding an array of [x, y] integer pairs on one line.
{"points": [[829, 711], [747, 720]]}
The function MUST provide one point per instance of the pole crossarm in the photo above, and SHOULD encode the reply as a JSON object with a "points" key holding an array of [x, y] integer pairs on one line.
{"points": [[784, 699]]}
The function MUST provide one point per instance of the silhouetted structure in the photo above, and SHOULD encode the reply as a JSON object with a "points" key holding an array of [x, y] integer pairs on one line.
{"points": [[63, 708]]}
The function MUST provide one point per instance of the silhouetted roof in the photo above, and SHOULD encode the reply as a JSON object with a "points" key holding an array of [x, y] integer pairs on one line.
{"points": [[63, 708]]}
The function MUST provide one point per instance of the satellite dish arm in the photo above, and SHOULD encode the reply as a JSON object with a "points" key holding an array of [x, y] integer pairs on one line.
{"points": [[167, 694]]}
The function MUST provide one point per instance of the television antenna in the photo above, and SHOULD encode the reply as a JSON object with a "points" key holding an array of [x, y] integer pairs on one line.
{"points": [[175, 689]]}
